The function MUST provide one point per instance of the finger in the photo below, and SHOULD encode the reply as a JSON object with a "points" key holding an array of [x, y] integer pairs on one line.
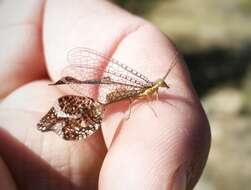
{"points": [[149, 152], [21, 44], [65, 164]]}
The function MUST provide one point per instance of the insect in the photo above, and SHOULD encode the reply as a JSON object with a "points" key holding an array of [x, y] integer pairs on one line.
{"points": [[77, 117]]}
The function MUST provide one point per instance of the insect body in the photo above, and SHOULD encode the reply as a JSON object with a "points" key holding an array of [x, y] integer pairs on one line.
{"points": [[154, 88], [91, 67]]}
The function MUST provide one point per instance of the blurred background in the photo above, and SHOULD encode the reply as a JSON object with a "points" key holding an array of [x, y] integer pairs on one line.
{"points": [[215, 39]]}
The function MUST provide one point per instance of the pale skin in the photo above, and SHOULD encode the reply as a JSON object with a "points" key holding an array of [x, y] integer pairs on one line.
{"points": [[144, 152]]}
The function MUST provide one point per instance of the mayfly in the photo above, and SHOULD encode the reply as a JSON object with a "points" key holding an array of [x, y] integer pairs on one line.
{"points": [[77, 117]]}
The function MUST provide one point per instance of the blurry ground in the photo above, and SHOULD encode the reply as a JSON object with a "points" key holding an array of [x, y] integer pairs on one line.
{"points": [[215, 38]]}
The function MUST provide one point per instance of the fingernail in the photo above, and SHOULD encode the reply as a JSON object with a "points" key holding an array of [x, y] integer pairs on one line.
{"points": [[180, 178]]}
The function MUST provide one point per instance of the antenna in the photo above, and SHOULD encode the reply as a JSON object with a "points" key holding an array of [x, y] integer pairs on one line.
{"points": [[173, 63]]}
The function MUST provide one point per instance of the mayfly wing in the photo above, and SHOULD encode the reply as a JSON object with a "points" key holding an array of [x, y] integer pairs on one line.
{"points": [[99, 61], [91, 67], [73, 117]]}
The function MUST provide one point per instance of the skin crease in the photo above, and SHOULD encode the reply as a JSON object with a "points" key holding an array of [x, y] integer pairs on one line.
{"points": [[144, 152]]}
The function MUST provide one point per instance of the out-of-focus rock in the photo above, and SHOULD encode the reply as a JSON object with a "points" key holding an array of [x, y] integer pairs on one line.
{"points": [[225, 100]]}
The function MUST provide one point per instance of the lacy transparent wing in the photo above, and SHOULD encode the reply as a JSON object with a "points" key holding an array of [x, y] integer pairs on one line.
{"points": [[91, 67], [94, 59]]}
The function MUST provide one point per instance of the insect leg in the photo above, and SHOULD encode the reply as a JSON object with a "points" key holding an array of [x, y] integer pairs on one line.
{"points": [[131, 100], [150, 106], [157, 96]]}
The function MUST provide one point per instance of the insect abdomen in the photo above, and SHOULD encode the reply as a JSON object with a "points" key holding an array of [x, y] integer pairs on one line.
{"points": [[120, 95]]}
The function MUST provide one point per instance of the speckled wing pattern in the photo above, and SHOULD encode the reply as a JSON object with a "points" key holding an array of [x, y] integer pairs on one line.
{"points": [[73, 117], [88, 66]]}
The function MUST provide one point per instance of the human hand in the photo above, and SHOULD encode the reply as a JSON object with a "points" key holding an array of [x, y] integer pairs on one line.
{"points": [[144, 152]]}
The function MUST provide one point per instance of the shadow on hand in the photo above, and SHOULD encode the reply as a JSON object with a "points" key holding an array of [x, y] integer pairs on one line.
{"points": [[28, 170]]}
